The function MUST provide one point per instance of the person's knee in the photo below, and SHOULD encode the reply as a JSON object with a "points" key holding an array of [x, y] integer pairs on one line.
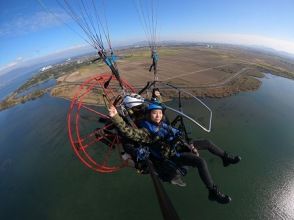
{"points": [[203, 143], [208, 143], [200, 162]]}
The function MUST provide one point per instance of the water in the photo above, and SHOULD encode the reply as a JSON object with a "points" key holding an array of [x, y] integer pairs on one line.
{"points": [[46, 84], [258, 126], [42, 179], [14, 79]]}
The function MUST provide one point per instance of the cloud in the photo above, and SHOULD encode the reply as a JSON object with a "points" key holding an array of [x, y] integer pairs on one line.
{"points": [[10, 66], [23, 24], [239, 39], [257, 40], [242, 39], [59, 54]]}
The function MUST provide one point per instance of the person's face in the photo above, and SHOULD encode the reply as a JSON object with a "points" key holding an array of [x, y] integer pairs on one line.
{"points": [[156, 115]]}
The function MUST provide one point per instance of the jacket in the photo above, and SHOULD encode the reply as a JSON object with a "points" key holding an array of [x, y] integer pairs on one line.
{"points": [[135, 134]]}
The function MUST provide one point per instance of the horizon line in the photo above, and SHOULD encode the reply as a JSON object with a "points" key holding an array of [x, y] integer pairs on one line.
{"points": [[251, 41]]}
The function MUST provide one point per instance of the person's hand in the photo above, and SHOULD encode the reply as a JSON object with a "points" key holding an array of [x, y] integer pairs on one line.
{"points": [[112, 111], [194, 150]]}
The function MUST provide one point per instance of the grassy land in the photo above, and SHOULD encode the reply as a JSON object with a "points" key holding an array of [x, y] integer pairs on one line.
{"points": [[213, 72]]}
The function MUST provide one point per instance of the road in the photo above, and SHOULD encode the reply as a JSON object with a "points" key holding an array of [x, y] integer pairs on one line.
{"points": [[218, 84]]}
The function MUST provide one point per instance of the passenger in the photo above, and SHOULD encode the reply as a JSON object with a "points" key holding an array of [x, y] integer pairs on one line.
{"points": [[136, 108], [134, 105], [155, 129]]}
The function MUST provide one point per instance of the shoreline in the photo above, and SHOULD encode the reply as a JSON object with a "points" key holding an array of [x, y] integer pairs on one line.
{"points": [[198, 91], [205, 72]]}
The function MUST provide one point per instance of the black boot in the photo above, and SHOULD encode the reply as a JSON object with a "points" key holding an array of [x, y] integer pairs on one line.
{"points": [[216, 195], [229, 159]]}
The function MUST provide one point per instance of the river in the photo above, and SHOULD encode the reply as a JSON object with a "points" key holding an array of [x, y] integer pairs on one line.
{"points": [[42, 179]]}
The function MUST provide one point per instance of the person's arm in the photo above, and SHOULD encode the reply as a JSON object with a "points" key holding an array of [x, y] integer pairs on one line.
{"points": [[135, 134]]}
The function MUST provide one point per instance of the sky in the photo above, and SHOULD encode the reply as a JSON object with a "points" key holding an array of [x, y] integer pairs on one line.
{"points": [[31, 32]]}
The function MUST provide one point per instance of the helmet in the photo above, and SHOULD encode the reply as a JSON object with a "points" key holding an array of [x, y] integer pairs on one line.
{"points": [[133, 100], [153, 106]]}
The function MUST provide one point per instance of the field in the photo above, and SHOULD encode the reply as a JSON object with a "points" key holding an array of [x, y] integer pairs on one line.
{"points": [[204, 70], [215, 71]]}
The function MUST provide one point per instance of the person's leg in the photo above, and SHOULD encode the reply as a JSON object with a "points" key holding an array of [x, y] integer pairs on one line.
{"points": [[190, 159], [166, 171], [129, 154], [203, 144], [129, 148], [150, 68], [228, 159]]}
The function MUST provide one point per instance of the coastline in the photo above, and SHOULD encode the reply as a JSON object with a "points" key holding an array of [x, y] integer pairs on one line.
{"points": [[204, 72]]}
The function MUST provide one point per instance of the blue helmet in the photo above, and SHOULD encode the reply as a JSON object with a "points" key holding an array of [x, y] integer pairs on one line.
{"points": [[153, 106]]}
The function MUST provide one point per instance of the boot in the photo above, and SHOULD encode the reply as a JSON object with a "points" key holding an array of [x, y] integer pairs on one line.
{"points": [[229, 159], [177, 180], [216, 195]]}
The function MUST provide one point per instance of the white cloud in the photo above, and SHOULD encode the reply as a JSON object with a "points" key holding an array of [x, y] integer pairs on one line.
{"points": [[19, 58], [277, 44], [75, 48], [23, 24], [10, 66], [13, 64], [242, 39], [249, 40], [63, 53]]}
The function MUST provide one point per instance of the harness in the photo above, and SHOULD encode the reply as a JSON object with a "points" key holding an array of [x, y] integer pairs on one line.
{"points": [[167, 139], [163, 130]]}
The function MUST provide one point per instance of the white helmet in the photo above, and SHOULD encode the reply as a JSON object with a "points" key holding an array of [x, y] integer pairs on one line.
{"points": [[133, 100]]}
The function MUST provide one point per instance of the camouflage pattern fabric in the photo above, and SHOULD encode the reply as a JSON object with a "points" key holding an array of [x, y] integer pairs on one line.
{"points": [[135, 134]]}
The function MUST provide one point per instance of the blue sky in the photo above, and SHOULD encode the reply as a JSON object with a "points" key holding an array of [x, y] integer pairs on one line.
{"points": [[28, 32]]}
